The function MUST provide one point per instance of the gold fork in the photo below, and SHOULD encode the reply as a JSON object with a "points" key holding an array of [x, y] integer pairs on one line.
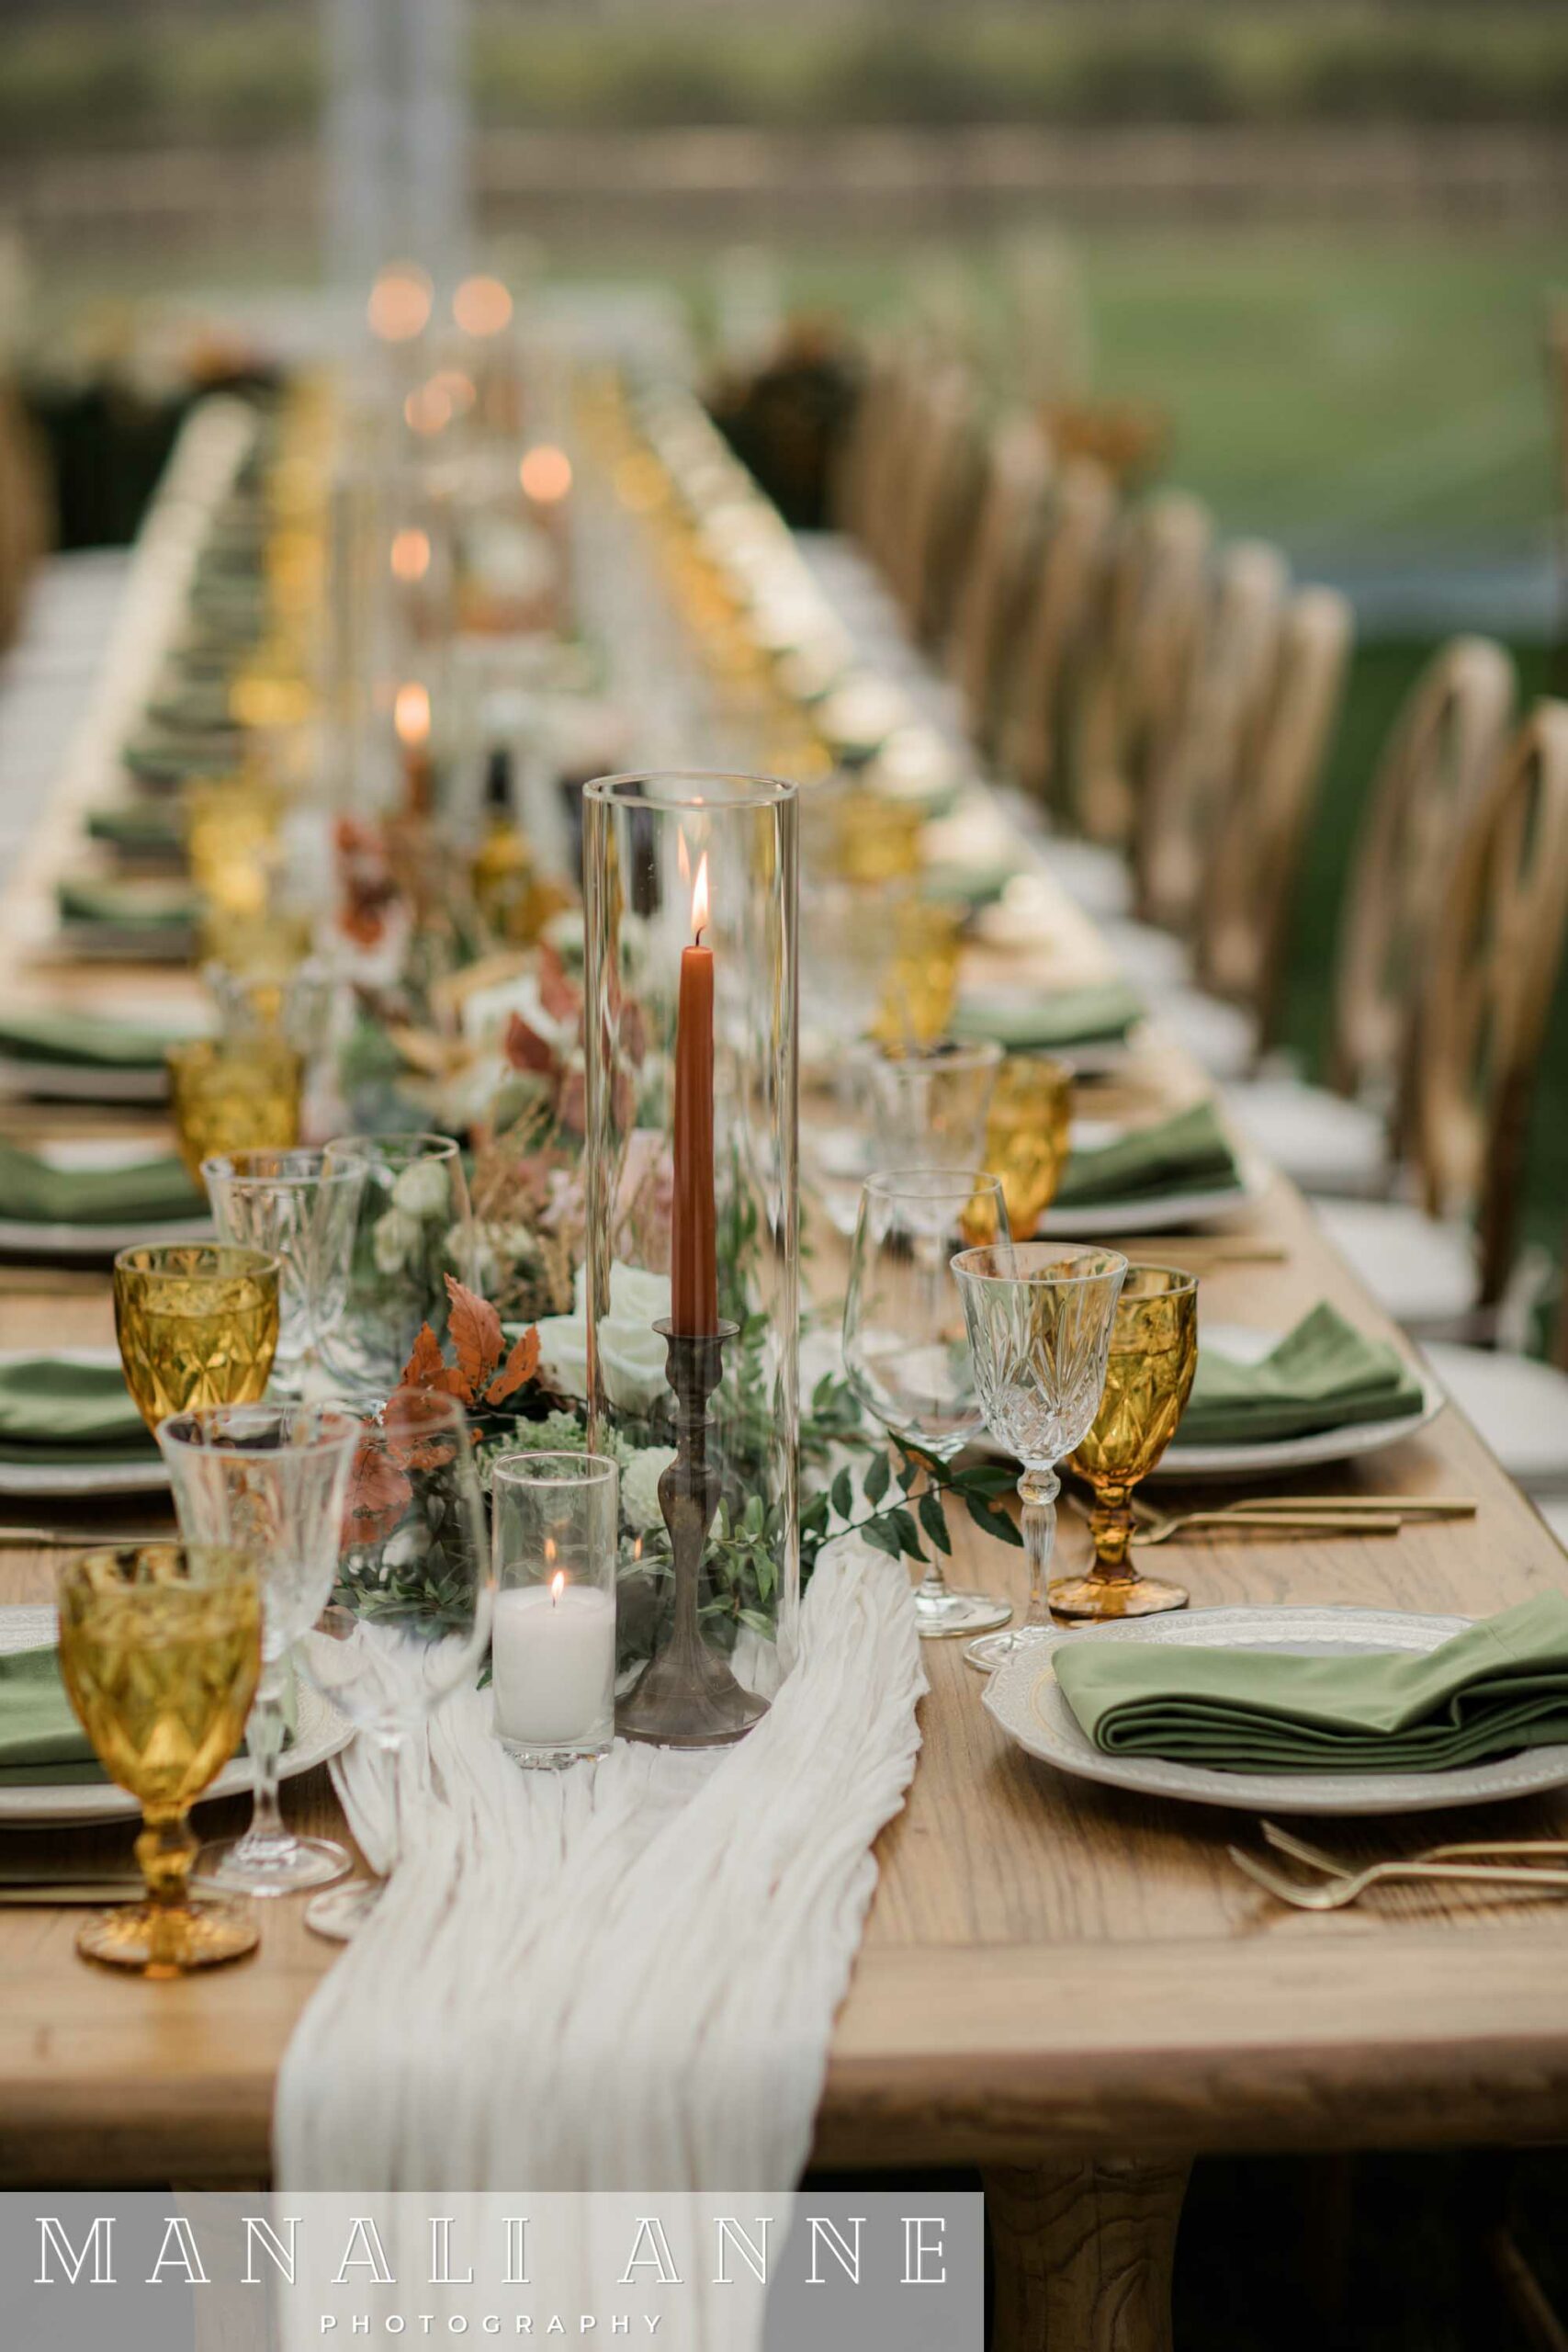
{"points": [[1286, 1842], [1162, 1527], [1347, 1889]]}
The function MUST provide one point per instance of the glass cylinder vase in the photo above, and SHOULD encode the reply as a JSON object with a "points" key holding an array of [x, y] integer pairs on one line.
{"points": [[684, 1338]]}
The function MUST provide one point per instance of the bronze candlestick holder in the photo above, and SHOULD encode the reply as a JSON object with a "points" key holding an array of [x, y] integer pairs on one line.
{"points": [[687, 1695]]}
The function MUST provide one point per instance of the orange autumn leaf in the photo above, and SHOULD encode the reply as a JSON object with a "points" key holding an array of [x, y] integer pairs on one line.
{"points": [[520, 1365], [525, 1050], [476, 1334], [377, 1495], [556, 993], [426, 1366]]}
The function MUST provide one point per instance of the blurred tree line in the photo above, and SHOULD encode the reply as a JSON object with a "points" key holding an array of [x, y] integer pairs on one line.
{"points": [[109, 74]]}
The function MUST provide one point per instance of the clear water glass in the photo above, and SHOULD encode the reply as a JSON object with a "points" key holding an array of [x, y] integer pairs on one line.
{"points": [[270, 1480], [414, 1226], [906, 1354], [1040, 1320], [291, 1203]]}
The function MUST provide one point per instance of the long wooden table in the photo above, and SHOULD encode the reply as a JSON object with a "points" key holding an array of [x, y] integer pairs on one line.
{"points": [[1070, 1987]]}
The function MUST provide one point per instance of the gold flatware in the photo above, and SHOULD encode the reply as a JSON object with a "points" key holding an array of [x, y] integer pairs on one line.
{"points": [[68, 1539], [1163, 1526], [1396, 1506], [1286, 1842], [69, 1893], [1340, 1892]]}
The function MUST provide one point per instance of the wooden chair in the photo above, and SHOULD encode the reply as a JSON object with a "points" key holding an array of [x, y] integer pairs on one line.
{"points": [[1444, 748], [1344, 1138], [1140, 647], [24, 511], [1189, 790], [1441, 1264], [988, 608], [1080, 511], [934, 509], [1254, 854]]}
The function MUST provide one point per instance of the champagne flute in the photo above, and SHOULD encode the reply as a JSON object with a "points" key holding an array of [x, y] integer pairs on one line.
{"points": [[410, 1614], [904, 1346], [160, 1653], [1148, 1377], [196, 1323], [270, 1480], [1039, 1321], [290, 1203]]}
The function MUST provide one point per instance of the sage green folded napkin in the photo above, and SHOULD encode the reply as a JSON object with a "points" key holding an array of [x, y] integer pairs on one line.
{"points": [[144, 906], [1099, 1013], [41, 1743], [139, 827], [55, 1411], [1499, 1686], [1324, 1374], [33, 1192], [87, 1040], [1187, 1153], [974, 886]]}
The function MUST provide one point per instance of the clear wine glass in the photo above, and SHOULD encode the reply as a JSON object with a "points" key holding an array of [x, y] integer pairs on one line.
{"points": [[905, 1353], [409, 1615], [1040, 1320], [268, 1480], [413, 1228], [290, 1203]]}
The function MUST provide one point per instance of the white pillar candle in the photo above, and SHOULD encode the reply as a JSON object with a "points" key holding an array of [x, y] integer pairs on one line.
{"points": [[553, 1662]]}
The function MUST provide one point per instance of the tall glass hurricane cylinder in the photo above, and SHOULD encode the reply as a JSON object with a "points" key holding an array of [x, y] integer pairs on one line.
{"points": [[682, 1031]]}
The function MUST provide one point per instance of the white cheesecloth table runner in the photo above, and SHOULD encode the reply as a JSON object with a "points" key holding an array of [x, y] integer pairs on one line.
{"points": [[623, 1976]]}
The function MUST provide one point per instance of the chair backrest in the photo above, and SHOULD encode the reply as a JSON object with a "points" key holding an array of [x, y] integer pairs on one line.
{"points": [[1080, 511], [1132, 682], [935, 508], [1493, 957], [988, 605], [1256, 857], [1191, 787], [1443, 749], [866, 489]]}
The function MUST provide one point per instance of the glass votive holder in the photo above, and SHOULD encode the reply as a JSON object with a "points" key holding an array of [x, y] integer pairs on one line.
{"points": [[557, 1532], [242, 1096]]}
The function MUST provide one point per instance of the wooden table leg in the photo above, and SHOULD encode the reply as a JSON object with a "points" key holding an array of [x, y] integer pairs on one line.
{"points": [[1082, 2254]]}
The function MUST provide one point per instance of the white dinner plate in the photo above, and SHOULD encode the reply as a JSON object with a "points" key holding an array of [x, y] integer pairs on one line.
{"points": [[1250, 1346], [320, 1732], [1026, 1700], [70, 1241], [82, 1083], [1155, 1212], [63, 1480]]}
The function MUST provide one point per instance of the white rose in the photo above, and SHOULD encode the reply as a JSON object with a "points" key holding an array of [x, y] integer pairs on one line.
{"points": [[631, 1351], [422, 1189], [639, 1487], [393, 1238]]}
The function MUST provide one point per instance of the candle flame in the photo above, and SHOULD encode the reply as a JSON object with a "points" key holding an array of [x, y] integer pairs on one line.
{"points": [[558, 1585], [411, 715], [700, 899]]}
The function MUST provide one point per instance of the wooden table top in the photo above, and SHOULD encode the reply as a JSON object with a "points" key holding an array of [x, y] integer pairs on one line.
{"points": [[1049, 1967]]}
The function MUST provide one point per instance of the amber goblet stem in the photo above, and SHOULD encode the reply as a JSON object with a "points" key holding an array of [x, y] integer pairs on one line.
{"points": [[1111, 1524], [165, 1849], [1038, 1488]]}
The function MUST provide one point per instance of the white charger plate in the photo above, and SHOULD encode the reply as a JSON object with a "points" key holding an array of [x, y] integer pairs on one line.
{"points": [[95, 1241], [1155, 1212], [320, 1732], [63, 1480], [1250, 1346], [1024, 1697], [82, 1083]]}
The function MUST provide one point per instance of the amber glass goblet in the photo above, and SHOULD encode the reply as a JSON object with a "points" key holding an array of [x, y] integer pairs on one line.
{"points": [[1026, 1135], [1148, 1377], [196, 1323], [240, 1096], [159, 1652], [921, 986]]}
